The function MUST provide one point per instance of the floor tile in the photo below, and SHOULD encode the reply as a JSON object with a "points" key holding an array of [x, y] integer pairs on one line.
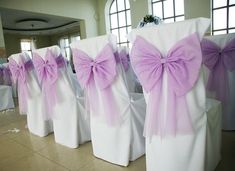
{"points": [[71, 158], [101, 165], [33, 162], [11, 151]]}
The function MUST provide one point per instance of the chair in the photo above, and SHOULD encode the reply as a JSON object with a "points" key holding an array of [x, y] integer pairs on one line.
{"points": [[167, 60], [219, 60], [6, 100], [29, 94], [6, 74], [62, 106], [116, 115]]}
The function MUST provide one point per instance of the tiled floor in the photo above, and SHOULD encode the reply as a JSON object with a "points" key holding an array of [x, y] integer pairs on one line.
{"points": [[23, 151]]}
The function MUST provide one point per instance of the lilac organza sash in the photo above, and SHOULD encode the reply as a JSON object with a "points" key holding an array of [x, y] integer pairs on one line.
{"points": [[1, 75], [122, 57], [47, 72], [182, 65], [7, 76], [100, 73], [219, 61], [19, 75]]}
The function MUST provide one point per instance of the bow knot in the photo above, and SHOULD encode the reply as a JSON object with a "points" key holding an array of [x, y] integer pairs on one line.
{"points": [[93, 64]]}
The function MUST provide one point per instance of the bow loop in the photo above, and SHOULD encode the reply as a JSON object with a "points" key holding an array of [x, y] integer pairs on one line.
{"points": [[229, 55], [147, 59], [122, 57], [211, 53], [18, 70]]}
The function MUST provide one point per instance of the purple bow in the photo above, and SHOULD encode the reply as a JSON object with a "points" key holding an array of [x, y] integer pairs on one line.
{"points": [[122, 57], [219, 61], [47, 72], [99, 72], [7, 76], [182, 65], [19, 75], [1, 75]]}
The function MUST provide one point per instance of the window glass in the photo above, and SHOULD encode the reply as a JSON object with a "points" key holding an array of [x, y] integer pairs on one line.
{"points": [[223, 13], [168, 10], [120, 20]]}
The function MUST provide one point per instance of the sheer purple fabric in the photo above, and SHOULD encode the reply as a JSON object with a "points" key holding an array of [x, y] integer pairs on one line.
{"points": [[100, 73], [1, 75], [47, 72], [19, 75], [7, 76], [182, 65], [122, 57], [219, 60]]}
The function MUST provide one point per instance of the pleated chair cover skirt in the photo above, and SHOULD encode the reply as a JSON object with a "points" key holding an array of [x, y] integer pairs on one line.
{"points": [[67, 112], [121, 142], [181, 151], [35, 108]]}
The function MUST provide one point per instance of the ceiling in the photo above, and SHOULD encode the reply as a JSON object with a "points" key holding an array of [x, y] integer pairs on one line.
{"points": [[28, 23]]}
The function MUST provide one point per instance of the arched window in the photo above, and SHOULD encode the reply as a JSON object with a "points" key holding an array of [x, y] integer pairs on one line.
{"points": [[223, 14], [120, 20], [168, 10]]}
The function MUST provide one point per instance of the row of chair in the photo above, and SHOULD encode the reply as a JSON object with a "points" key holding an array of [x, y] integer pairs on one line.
{"points": [[181, 131]]}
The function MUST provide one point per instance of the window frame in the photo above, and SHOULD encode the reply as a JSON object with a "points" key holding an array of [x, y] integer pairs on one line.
{"points": [[30, 51], [126, 26], [227, 6], [174, 9], [69, 37]]}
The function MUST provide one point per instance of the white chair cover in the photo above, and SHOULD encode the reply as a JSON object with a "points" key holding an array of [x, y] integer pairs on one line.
{"points": [[70, 126], [6, 98], [120, 143], [228, 116], [182, 152], [35, 109], [213, 137]]}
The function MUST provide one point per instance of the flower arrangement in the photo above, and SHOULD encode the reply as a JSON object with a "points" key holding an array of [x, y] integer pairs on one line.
{"points": [[150, 19]]}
